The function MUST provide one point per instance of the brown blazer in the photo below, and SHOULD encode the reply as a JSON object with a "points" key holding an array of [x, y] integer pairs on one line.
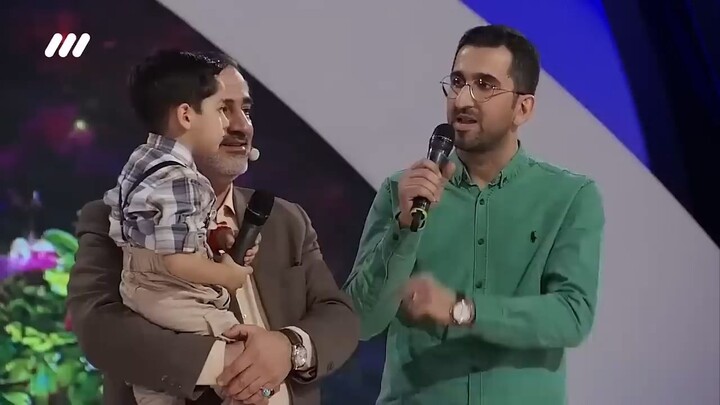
{"points": [[293, 281]]}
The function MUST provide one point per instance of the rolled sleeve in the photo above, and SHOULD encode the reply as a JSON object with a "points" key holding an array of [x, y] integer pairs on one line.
{"points": [[181, 215]]}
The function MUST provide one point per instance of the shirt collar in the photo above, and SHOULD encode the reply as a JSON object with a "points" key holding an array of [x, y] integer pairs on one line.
{"points": [[172, 147], [228, 204], [515, 166]]}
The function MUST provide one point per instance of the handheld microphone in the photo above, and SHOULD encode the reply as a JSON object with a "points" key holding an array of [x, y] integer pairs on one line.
{"points": [[257, 212], [439, 148]]}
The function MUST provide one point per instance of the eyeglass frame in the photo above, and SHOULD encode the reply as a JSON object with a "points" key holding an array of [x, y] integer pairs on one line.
{"points": [[496, 90]]}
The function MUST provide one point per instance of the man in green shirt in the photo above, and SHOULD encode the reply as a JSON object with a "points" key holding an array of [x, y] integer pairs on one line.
{"points": [[481, 302]]}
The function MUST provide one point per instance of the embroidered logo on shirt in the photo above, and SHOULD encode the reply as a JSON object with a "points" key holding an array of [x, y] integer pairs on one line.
{"points": [[533, 236]]}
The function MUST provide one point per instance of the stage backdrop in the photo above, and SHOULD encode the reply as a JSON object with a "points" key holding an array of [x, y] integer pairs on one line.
{"points": [[364, 75], [346, 93]]}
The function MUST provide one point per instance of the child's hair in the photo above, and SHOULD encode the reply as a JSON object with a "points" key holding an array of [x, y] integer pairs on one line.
{"points": [[167, 79]]}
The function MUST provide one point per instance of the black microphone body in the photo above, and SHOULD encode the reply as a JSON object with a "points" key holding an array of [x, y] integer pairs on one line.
{"points": [[439, 148], [257, 212]]}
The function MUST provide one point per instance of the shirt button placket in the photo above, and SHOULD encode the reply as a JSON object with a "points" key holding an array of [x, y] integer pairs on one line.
{"points": [[475, 378], [481, 240]]}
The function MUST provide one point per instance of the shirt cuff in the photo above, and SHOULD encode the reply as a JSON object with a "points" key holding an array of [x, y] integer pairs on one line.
{"points": [[213, 365], [308, 344], [400, 242]]}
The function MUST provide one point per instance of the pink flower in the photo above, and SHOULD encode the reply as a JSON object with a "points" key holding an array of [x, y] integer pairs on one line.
{"points": [[25, 255]]}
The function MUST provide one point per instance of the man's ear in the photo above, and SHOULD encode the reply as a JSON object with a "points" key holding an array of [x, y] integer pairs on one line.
{"points": [[524, 109]]}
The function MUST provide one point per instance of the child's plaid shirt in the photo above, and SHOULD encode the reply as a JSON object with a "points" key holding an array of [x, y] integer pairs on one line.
{"points": [[169, 212]]}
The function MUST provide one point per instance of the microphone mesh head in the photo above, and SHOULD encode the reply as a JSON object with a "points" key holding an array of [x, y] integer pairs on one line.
{"points": [[443, 138], [445, 131]]}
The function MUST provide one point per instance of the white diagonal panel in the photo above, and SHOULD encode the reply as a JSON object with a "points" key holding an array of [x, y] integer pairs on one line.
{"points": [[364, 75]]}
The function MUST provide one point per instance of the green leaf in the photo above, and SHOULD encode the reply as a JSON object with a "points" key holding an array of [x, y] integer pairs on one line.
{"points": [[62, 338], [37, 344], [67, 261], [14, 329], [43, 382], [7, 350], [66, 373], [32, 332], [87, 389], [17, 398], [64, 242], [58, 281], [20, 369]]}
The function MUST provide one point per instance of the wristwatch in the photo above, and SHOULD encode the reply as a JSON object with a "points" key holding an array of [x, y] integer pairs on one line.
{"points": [[298, 353], [462, 312]]}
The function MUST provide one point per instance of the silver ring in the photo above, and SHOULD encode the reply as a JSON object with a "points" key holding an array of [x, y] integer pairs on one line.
{"points": [[267, 392]]}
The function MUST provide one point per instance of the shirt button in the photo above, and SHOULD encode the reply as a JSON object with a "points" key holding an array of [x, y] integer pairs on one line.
{"points": [[482, 201], [481, 241], [244, 316], [479, 284]]}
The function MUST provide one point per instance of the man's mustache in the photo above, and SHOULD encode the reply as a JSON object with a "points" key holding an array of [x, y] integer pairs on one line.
{"points": [[465, 111], [239, 139]]}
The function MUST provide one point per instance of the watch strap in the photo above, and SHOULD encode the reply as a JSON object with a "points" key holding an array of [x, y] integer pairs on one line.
{"points": [[293, 337]]}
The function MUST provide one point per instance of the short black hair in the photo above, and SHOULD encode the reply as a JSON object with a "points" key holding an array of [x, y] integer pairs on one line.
{"points": [[223, 60], [167, 79], [525, 67]]}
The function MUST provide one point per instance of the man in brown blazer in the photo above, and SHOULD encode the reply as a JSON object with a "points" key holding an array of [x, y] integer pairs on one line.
{"points": [[291, 290]]}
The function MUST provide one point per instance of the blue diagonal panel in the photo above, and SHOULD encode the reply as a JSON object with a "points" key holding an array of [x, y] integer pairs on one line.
{"points": [[576, 48]]}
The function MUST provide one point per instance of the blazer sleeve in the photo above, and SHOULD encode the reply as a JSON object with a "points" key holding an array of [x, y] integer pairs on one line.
{"points": [[330, 320], [115, 339]]}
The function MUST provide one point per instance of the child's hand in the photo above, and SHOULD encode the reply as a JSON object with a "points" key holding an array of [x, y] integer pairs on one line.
{"points": [[221, 238], [237, 274]]}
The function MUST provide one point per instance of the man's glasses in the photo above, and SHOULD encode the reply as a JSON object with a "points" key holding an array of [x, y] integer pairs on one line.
{"points": [[480, 90]]}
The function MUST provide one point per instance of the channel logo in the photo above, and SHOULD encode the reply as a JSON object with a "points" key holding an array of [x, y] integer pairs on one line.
{"points": [[63, 46]]}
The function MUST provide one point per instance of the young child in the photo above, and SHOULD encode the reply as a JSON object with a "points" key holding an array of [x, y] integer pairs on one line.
{"points": [[162, 206]]}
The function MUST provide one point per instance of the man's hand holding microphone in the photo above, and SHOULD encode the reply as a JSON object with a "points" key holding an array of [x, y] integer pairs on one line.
{"points": [[419, 188], [423, 179]]}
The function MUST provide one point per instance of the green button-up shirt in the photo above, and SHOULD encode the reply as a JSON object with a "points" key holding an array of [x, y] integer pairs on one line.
{"points": [[525, 249]]}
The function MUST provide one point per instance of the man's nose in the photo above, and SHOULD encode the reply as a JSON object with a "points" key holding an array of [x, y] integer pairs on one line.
{"points": [[240, 123], [464, 98]]}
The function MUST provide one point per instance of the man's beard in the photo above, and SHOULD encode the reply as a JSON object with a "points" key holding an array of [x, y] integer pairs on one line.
{"points": [[481, 143], [225, 166]]}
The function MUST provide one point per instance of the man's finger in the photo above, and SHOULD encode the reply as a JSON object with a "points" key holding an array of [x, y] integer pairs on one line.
{"points": [[246, 375], [231, 371], [241, 382], [448, 170], [252, 390], [240, 332], [412, 184], [427, 164], [247, 390], [428, 175], [421, 190], [257, 398]]}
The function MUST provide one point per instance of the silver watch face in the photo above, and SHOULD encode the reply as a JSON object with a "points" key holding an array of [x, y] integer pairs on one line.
{"points": [[299, 356], [461, 313]]}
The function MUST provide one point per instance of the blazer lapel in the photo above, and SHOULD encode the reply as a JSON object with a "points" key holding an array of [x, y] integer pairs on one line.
{"points": [[266, 283]]}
